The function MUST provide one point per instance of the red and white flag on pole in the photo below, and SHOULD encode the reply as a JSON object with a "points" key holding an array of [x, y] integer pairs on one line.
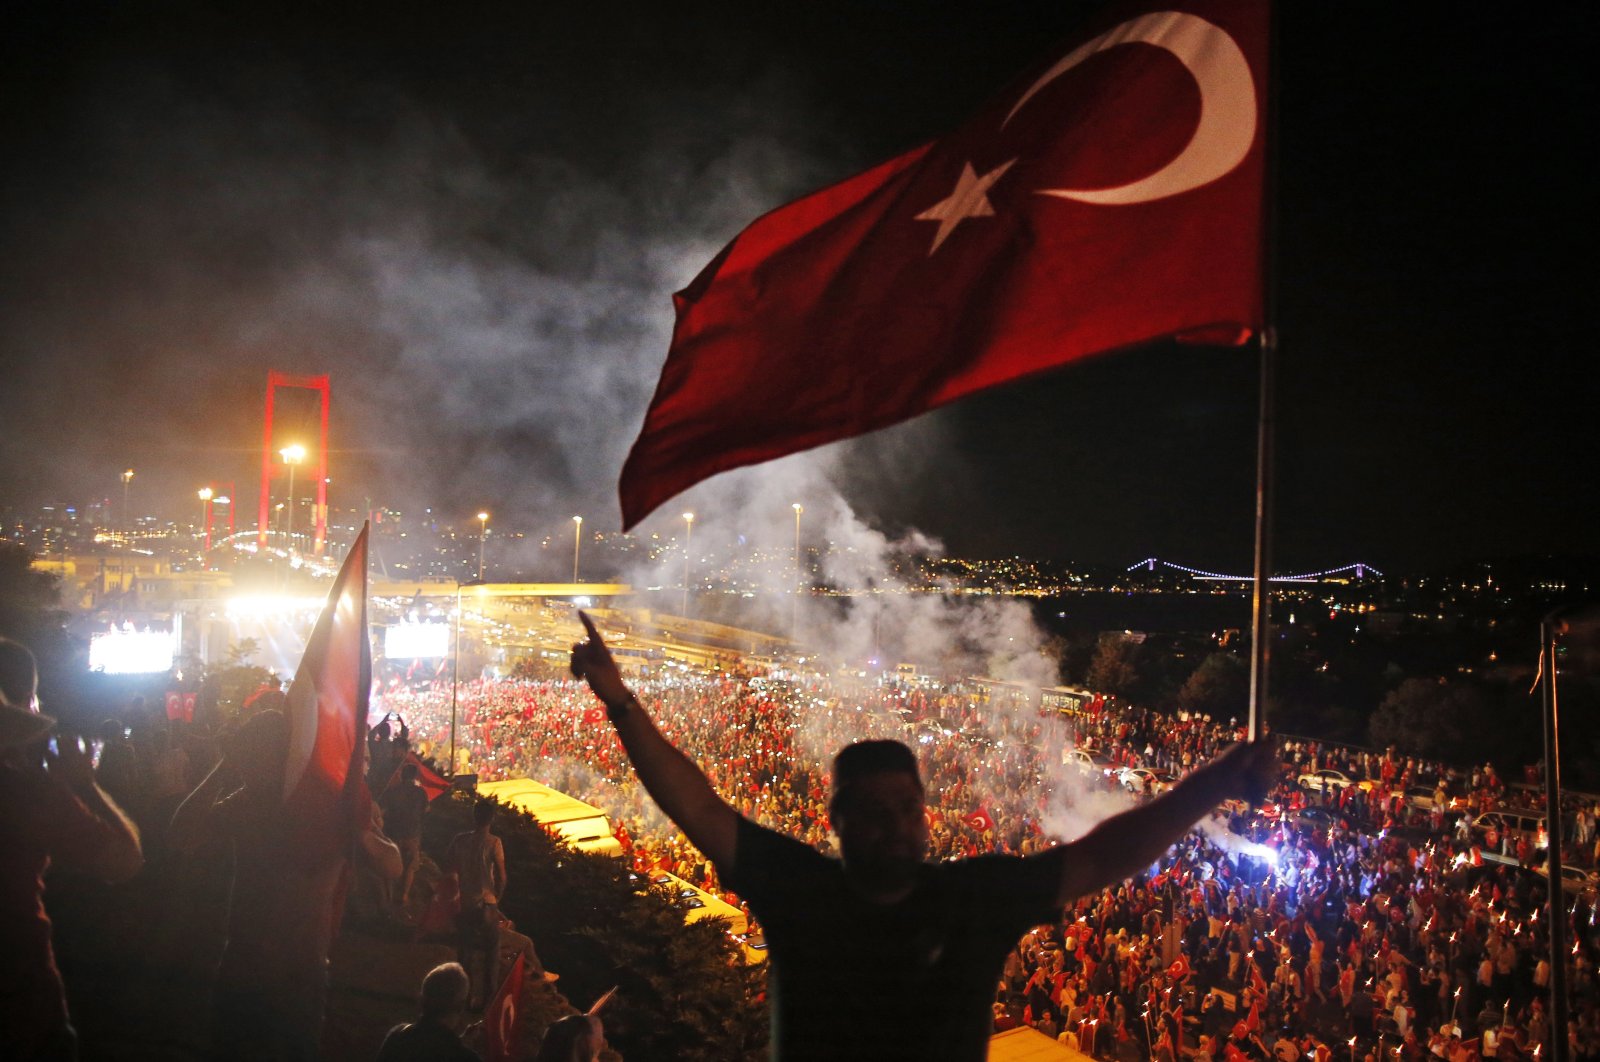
{"points": [[501, 1019], [325, 793], [1111, 198]]}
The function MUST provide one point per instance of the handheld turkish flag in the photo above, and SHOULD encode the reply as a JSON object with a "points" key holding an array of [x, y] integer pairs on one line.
{"points": [[981, 820], [1112, 198], [501, 1019], [325, 793], [433, 783]]}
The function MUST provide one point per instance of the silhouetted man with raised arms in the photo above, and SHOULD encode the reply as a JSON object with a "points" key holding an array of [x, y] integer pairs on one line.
{"points": [[880, 955]]}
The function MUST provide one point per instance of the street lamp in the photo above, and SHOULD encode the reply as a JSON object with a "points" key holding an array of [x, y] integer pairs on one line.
{"points": [[688, 538], [204, 493], [794, 606], [483, 532], [292, 454], [577, 542], [127, 477]]}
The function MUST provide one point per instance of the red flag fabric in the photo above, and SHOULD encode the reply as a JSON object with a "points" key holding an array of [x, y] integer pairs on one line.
{"points": [[325, 795], [500, 1020], [981, 819], [433, 783], [1111, 198], [180, 706]]}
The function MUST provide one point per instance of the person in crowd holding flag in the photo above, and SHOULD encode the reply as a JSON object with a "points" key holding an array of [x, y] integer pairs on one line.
{"points": [[272, 980], [436, 1034], [404, 804], [861, 944], [51, 812]]}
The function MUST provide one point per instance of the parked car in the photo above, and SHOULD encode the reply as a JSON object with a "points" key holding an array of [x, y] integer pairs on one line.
{"points": [[1329, 780], [1145, 780], [1575, 880], [1513, 824], [1090, 762]]}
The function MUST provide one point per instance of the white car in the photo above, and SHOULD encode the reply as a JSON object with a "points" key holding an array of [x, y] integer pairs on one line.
{"points": [[1328, 780], [1145, 780], [1090, 763]]}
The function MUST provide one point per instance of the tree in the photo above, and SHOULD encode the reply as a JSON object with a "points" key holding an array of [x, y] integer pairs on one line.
{"points": [[223, 690], [1114, 669], [31, 613], [1428, 717], [1219, 687]]}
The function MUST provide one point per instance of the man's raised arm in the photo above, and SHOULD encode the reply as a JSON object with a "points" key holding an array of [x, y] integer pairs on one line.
{"points": [[1125, 844], [671, 779]]}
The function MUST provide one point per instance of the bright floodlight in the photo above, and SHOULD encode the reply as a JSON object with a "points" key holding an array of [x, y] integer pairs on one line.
{"points": [[130, 652], [484, 517], [798, 508], [416, 641], [204, 493], [688, 517], [293, 454]]}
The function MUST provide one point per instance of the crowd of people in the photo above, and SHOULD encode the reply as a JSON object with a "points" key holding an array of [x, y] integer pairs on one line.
{"points": [[1376, 927], [1358, 920]]}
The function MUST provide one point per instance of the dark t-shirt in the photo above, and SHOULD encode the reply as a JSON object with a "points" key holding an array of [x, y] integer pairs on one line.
{"points": [[851, 979], [403, 808], [424, 1041]]}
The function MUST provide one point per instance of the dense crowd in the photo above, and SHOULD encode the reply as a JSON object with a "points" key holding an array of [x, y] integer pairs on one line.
{"points": [[1355, 921]]}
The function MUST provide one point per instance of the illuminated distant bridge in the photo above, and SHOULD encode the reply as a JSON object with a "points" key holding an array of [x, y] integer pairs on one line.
{"points": [[1358, 570]]}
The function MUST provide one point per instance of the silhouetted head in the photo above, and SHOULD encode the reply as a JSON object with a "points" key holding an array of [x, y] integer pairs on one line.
{"points": [[259, 748], [575, 1038], [878, 810], [444, 994]]}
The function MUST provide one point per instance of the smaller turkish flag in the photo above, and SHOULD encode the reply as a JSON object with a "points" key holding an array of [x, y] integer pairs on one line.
{"points": [[981, 820], [325, 791], [433, 783], [595, 715], [501, 1019]]}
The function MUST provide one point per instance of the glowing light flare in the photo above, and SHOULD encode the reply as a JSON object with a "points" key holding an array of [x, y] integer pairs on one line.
{"points": [[131, 652]]}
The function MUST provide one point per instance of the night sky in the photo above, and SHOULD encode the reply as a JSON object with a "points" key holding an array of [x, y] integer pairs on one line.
{"points": [[472, 216]]}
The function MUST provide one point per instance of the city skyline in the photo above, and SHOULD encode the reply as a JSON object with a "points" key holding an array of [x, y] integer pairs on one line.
{"points": [[474, 229]]}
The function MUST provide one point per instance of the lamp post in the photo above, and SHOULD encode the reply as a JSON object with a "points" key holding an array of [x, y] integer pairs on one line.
{"points": [[483, 533], [127, 522], [204, 493], [577, 544], [292, 454], [794, 606], [688, 539]]}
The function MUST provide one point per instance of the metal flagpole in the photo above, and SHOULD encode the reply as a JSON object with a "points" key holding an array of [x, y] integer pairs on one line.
{"points": [[1261, 597], [1550, 630]]}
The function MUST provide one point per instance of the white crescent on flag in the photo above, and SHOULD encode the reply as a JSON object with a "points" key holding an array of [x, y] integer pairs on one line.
{"points": [[1227, 124]]}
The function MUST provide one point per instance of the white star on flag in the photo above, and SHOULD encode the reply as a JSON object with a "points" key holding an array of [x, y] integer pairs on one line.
{"points": [[969, 200]]}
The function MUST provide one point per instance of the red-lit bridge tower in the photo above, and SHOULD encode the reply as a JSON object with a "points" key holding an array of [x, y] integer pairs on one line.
{"points": [[319, 384]]}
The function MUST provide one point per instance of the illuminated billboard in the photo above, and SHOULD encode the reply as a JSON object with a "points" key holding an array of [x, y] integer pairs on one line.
{"points": [[131, 652], [416, 641]]}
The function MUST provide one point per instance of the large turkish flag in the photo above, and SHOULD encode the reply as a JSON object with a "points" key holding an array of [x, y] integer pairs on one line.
{"points": [[1110, 198]]}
